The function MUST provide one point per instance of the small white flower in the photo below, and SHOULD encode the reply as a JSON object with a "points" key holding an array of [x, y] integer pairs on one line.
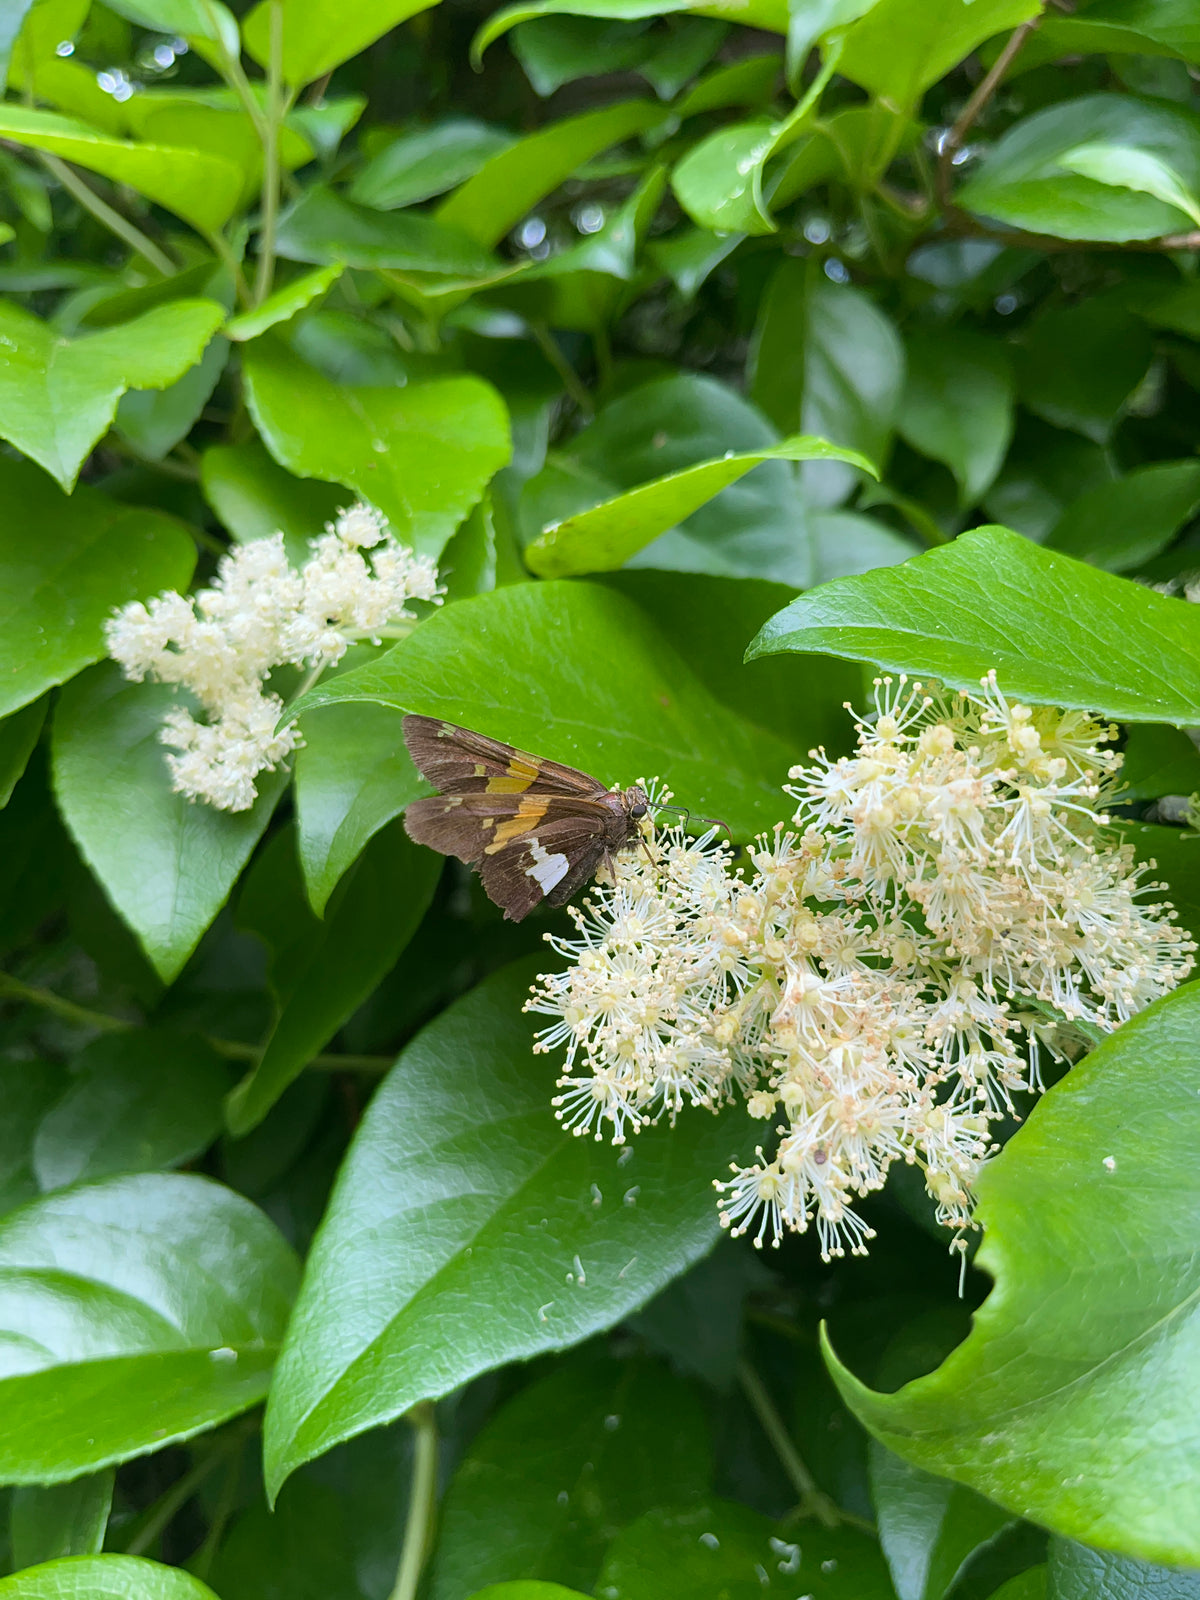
{"points": [[259, 613], [883, 980]]}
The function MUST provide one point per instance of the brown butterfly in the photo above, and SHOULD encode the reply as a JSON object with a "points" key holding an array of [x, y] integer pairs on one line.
{"points": [[535, 830]]}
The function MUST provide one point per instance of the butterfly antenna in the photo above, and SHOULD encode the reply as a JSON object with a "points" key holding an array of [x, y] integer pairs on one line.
{"points": [[687, 818]]}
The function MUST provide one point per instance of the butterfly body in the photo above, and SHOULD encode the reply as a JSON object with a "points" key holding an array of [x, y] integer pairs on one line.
{"points": [[535, 830]]}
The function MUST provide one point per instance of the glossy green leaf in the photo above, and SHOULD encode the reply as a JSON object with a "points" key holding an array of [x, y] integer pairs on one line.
{"points": [[1062, 1403], [322, 226], [827, 361], [1078, 367], [95, 555], [928, 1527], [416, 166], [170, 875], [283, 305], [255, 497], [719, 183], [958, 405], [1159, 761], [134, 1311], [104, 1578], [49, 1521], [353, 775], [1056, 632], [1046, 470], [768, 14], [605, 537], [568, 1461], [1120, 525], [1140, 170], [423, 454], [135, 1102], [19, 733], [896, 51], [759, 526], [27, 1090], [528, 1590], [579, 674], [155, 421], [1143, 27], [725, 1549], [1029, 1585], [1024, 181], [1076, 1573], [466, 1231], [331, 967], [508, 185], [316, 37], [10, 27], [203, 189], [58, 395]]}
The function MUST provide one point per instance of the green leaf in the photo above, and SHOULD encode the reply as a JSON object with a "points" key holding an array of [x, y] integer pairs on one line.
{"points": [[1159, 761], [19, 733], [353, 775], [283, 305], [958, 405], [323, 226], [1173, 854], [1062, 1403], [10, 27], [603, 538], [27, 1092], [512, 182], [896, 51], [104, 1578], [426, 162], [423, 454], [929, 1528], [135, 1102], [255, 497], [827, 361], [60, 1519], [58, 395], [1075, 1573], [95, 554], [155, 422], [527, 1591], [1029, 1585], [577, 673], [1140, 170], [203, 189], [719, 182], [318, 37], [333, 966], [561, 1467], [135, 1312], [1121, 525], [1045, 471], [1057, 632], [724, 1549], [1134, 27], [1078, 367], [170, 875], [1024, 181], [767, 14], [466, 1231]]}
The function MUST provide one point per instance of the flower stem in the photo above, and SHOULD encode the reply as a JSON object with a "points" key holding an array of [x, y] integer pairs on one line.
{"points": [[265, 275], [813, 1501], [421, 1502], [107, 215]]}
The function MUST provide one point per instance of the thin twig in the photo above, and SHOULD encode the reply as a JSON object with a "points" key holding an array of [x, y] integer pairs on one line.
{"points": [[232, 1049], [813, 1500], [967, 117], [571, 380], [422, 1500], [265, 275], [107, 215]]}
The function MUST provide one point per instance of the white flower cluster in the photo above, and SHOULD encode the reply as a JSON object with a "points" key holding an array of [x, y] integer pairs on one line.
{"points": [[259, 613], [879, 981]]}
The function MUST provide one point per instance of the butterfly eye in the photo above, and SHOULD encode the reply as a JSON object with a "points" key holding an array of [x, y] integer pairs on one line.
{"points": [[637, 812]]}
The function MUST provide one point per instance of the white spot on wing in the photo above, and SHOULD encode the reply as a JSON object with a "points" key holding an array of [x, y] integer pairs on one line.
{"points": [[547, 869]]}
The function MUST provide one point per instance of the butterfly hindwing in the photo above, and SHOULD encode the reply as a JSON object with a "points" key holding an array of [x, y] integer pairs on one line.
{"points": [[535, 830], [457, 761]]}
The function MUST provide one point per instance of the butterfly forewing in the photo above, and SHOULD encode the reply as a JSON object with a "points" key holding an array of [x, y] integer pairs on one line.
{"points": [[535, 829]]}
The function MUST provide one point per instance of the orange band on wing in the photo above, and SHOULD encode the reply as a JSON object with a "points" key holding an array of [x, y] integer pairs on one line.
{"points": [[527, 816], [518, 775]]}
